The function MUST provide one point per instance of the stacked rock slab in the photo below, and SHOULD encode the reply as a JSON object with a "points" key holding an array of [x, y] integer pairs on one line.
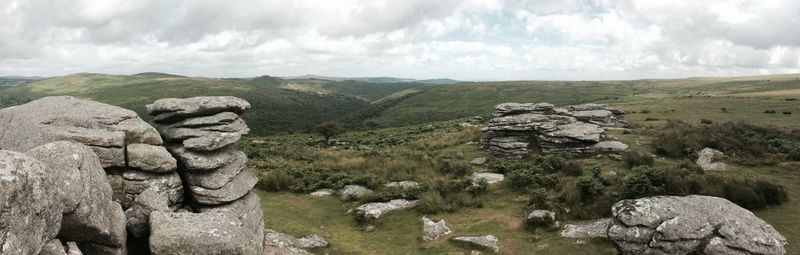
{"points": [[200, 132], [570, 131], [129, 149]]}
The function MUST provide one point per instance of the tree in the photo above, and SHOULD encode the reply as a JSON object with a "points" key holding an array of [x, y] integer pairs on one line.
{"points": [[329, 129]]}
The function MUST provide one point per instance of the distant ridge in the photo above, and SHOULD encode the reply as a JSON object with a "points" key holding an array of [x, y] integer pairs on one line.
{"points": [[372, 79]]}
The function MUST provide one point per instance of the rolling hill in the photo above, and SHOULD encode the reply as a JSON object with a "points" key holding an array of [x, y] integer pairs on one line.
{"points": [[276, 107], [445, 102]]}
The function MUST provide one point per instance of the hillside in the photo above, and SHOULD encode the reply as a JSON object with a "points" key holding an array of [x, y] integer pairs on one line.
{"points": [[16, 80], [275, 110], [446, 102], [373, 79]]}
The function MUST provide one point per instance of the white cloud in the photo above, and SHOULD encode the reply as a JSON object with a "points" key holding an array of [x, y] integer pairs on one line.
{"points": [[472, 39]]}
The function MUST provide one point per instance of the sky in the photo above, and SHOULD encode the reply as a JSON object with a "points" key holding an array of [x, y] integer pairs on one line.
{"points": [[423, 39]]}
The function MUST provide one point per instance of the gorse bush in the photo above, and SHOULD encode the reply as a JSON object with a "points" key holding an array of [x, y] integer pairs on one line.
{"points": [[450, 195], [746, 143], [306, 180], [748, 192], [637, 158]]}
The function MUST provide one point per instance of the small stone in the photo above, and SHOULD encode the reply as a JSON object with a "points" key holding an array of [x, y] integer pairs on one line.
{"points": [[352, 192], [488, 242], [434, 230], [489, 178], [322, 193], [478, 161]]}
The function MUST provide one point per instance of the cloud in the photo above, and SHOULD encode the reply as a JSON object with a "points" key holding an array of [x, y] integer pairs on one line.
{"points": [[467, 39]]}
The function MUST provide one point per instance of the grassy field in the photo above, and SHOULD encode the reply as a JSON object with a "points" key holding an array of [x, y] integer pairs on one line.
{"points": [[384, 152]]}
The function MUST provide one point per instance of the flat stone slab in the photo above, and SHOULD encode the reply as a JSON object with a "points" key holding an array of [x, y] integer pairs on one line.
{"points": [[168, 110], [198, 233]]}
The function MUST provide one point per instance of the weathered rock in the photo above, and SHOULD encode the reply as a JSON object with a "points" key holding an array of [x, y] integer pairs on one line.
{"points": [[239, 186], [92, 216], [276, 243], [168, 110], [434, 230], [59, 118], [216, 178], [273, 238], [138, 215], [150, 158], [135, 182], [373, 211], [30, 209], [489, 178], [597, 229], [322, 193], [488, 242], [691, 224], [195, 161], [351, 192], [542, 218], [212, 141], [706, 160], [198, 233], [609, 147], [572, 131], [248, 210], [52, 247], [478, 161], [403, 185]]}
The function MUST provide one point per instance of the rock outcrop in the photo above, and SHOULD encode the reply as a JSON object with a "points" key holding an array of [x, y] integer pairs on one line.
{"points": [[575, 130], [278, 243], [434, 230], [353, 192], [125, 144], [373, 211], [597, 229], [30, 209], [199, 233], [90, 216], [707, 159], [690, 225], [487, 242], [201, 132]]}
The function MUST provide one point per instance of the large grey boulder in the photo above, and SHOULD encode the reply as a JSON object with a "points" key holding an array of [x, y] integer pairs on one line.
{"points": [[434, 230], [542, 218], [30, 208], [51, 119], [707, 159], [248, 210], [198, 233], [487, 242], [168, 110], [54, 247], [689, 225], [138, 214], [373, 211], [93, 218]]}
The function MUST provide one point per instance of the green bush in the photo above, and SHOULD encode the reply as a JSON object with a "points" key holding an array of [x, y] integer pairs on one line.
{"points": [[444, 195], [748, 144], [590, 188], [637, 158], [643, 181], [277, 180], [572, 169], [748, 192], [457, 168]]}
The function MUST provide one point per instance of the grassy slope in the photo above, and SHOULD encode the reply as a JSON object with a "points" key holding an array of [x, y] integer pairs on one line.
{"points": [[503, 212], [468, 99], [275, 110]]}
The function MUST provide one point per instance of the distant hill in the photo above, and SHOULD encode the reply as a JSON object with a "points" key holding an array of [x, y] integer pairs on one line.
{"points": [[275, 110], [374, 79], [446, 102], [16, 80]]}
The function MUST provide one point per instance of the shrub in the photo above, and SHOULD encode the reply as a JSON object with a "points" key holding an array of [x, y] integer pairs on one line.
{"points": [[769, 111], [276, 180], [637, 158], [643, 181], [746, 143], [457, 168], [787, 112], [651, 119], [645, 111], [590, 188], [571, 169], [706, 121], [450, 195]]}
